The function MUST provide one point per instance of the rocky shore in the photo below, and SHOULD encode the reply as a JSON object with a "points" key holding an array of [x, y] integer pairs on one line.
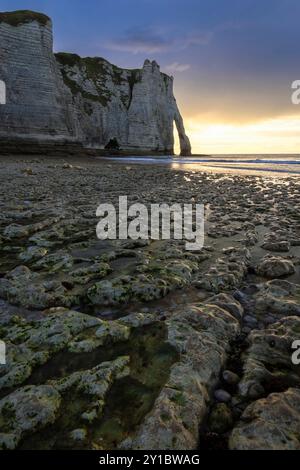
{"points": [[139, 344]]}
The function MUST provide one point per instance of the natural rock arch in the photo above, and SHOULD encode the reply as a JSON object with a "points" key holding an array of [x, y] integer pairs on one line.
{"points": [[184, 141]]}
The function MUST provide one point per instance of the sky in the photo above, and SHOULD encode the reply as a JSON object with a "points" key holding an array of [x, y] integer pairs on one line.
{"points": [[233, 60]]}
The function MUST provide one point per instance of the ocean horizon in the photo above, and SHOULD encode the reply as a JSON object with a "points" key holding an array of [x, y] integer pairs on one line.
{"points": [[278, 163]]}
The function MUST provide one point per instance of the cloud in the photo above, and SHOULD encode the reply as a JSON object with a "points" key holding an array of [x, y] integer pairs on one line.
{"points": [[197, 39], [151, 41], [140, 41], [176, 67]]}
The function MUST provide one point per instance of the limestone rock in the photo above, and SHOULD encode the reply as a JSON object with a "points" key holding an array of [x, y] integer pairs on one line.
{"points": [[63, 98], [277, 246], [275, 266], [229, 303], [201, 334], [32, 344], [33, 253], [227, 273], [25, 411], [272, 423], [40, 94], [24, 287], [32, 408], [277, 297], [154, 283], [267, 361]]}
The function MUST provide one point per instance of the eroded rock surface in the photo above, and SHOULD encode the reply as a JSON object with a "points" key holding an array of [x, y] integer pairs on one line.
{"points": [[201, 335], [272, 423], [141, 343], [268, 364]]}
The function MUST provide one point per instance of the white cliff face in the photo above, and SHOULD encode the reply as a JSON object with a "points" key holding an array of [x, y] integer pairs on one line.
{"points": [[151, 113], [36, 101], [63, 97]]}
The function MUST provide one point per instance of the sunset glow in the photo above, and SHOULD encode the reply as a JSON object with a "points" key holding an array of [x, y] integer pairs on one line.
{"points": [[233, 62], [277, 135]]}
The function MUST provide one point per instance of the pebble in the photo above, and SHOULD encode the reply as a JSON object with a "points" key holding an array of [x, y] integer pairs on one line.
{"points": [[269, 319], [251, 321], [256, 391], [246, 330], [78, 434], [230, 377], [222, 396], [220, 419]]}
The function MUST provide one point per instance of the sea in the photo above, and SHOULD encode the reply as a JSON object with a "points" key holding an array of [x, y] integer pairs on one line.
{"points": [[286, 164]]}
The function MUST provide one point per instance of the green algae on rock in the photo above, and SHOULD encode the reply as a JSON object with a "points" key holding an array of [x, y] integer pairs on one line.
{"points": [[267, 361], [174, 320], [183, 402], [25, 411], [162, 369], [271, 423], [17, 18]]}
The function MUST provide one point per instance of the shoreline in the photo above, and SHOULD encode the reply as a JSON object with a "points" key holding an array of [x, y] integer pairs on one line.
{"points": [[282, 170]]}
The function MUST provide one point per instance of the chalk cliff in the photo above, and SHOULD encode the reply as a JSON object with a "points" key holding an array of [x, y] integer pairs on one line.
{"points": [[62, 98]]}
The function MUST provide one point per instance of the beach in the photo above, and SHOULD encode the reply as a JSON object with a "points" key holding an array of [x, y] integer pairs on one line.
{"points": [[190, 346], [284, 165]]}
